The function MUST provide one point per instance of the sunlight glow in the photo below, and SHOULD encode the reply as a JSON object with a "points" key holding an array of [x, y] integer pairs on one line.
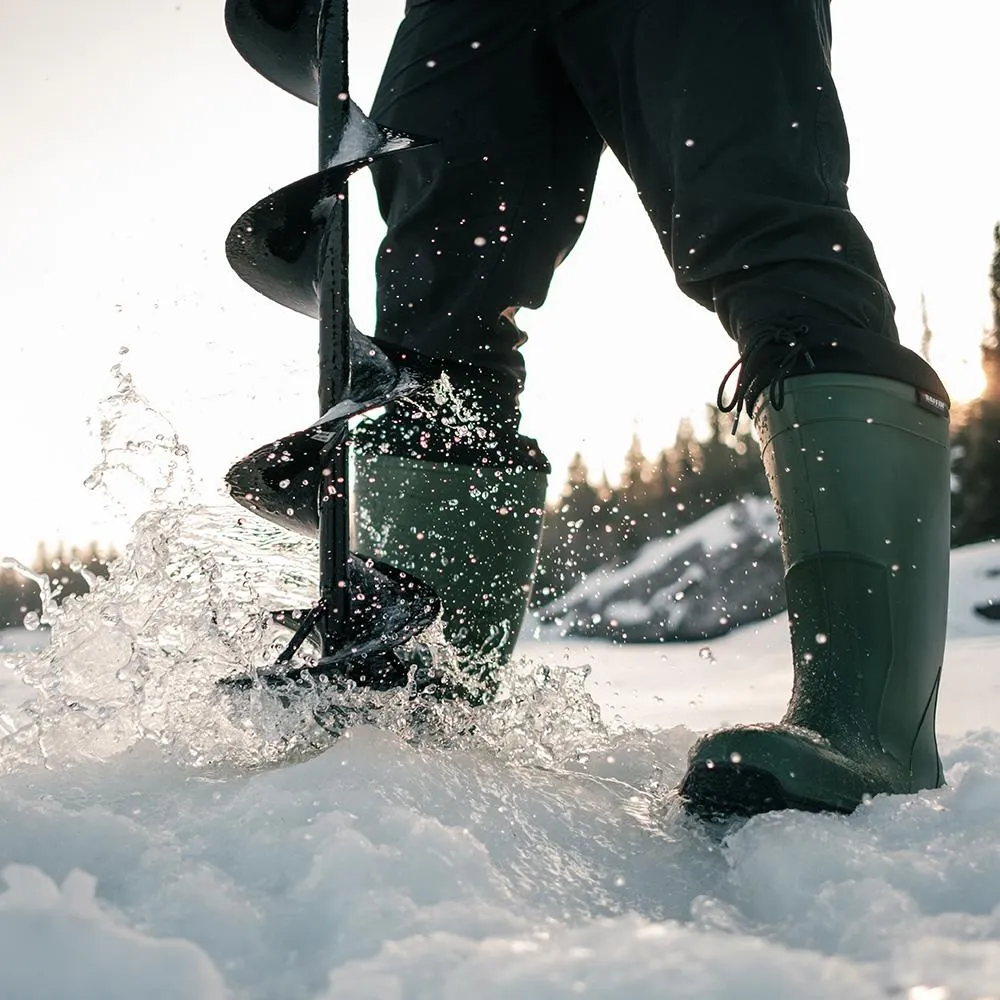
{"points": [[136, 158]]}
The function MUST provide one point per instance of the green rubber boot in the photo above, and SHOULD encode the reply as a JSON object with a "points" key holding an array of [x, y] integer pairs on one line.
{"points": [[471, 533], [859, 470]]}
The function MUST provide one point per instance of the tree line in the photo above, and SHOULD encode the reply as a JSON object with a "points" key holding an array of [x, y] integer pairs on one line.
{"points": [[592, 524], [69, 572]]}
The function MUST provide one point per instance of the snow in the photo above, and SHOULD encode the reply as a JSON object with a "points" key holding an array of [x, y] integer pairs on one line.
{"points": [[159, 841]]}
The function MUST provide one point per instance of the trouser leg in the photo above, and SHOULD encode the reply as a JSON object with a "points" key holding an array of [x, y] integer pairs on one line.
{"points": [[477, 223], [726, 115], [476, 226]]}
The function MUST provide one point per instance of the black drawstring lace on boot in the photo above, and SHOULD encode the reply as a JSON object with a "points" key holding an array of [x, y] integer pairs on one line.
{"points": [[765, 364]]}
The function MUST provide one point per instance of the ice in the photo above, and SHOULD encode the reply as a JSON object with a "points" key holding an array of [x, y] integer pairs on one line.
{"points": [[159, 841]]}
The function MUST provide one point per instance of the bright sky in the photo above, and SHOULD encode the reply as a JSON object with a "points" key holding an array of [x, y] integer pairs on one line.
{"points": [[133, 135]]}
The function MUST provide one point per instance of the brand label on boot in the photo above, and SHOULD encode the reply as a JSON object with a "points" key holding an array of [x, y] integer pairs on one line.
{"points": [[933, 403]]}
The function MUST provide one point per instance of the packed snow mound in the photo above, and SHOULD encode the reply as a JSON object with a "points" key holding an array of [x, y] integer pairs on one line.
{"points": [[98, 955], [160, 838], [721, 572], [381, 869]]}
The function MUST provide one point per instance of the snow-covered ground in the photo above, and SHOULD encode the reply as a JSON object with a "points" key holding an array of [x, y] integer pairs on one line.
{"points": [[152, 847]]}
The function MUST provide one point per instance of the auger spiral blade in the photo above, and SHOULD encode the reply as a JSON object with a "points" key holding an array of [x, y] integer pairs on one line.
{"points": [[281, 480], [274, 246], [292, 246], [278, 39]]}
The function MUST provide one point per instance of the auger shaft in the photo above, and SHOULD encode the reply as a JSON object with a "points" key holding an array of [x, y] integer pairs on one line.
{"points": [[334, 326], [292, 246]]}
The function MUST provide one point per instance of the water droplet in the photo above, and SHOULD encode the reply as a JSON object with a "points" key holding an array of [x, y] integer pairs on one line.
{"points": [[821, 638], [735, 758], [32, 621]]}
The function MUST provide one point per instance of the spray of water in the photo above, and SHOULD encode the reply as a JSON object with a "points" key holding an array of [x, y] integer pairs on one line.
{"points": [[139, 658]]}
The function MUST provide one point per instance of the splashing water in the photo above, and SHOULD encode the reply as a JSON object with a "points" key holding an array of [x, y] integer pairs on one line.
{"points": [[138, 659], [143, 462]]}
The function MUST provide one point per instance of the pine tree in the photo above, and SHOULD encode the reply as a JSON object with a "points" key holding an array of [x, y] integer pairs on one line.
{"points": [[590, 526], [637, 471], [928, 334], [977, 513], [568, 534], [629, 500], [991, 340]]}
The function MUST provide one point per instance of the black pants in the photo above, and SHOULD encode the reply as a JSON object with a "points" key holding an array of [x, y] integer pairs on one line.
{"points": [[723, 112]]}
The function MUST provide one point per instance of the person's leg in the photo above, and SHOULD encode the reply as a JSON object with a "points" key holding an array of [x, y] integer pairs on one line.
{"points": [[476, 226], [477, 223], [726, 116], [859, 471]]}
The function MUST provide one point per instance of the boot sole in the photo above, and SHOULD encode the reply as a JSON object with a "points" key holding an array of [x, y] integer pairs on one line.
{"points": [[725, 790]]}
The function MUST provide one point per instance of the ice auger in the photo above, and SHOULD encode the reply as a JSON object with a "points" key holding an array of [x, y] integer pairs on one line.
{"points": [[292, 246]]}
